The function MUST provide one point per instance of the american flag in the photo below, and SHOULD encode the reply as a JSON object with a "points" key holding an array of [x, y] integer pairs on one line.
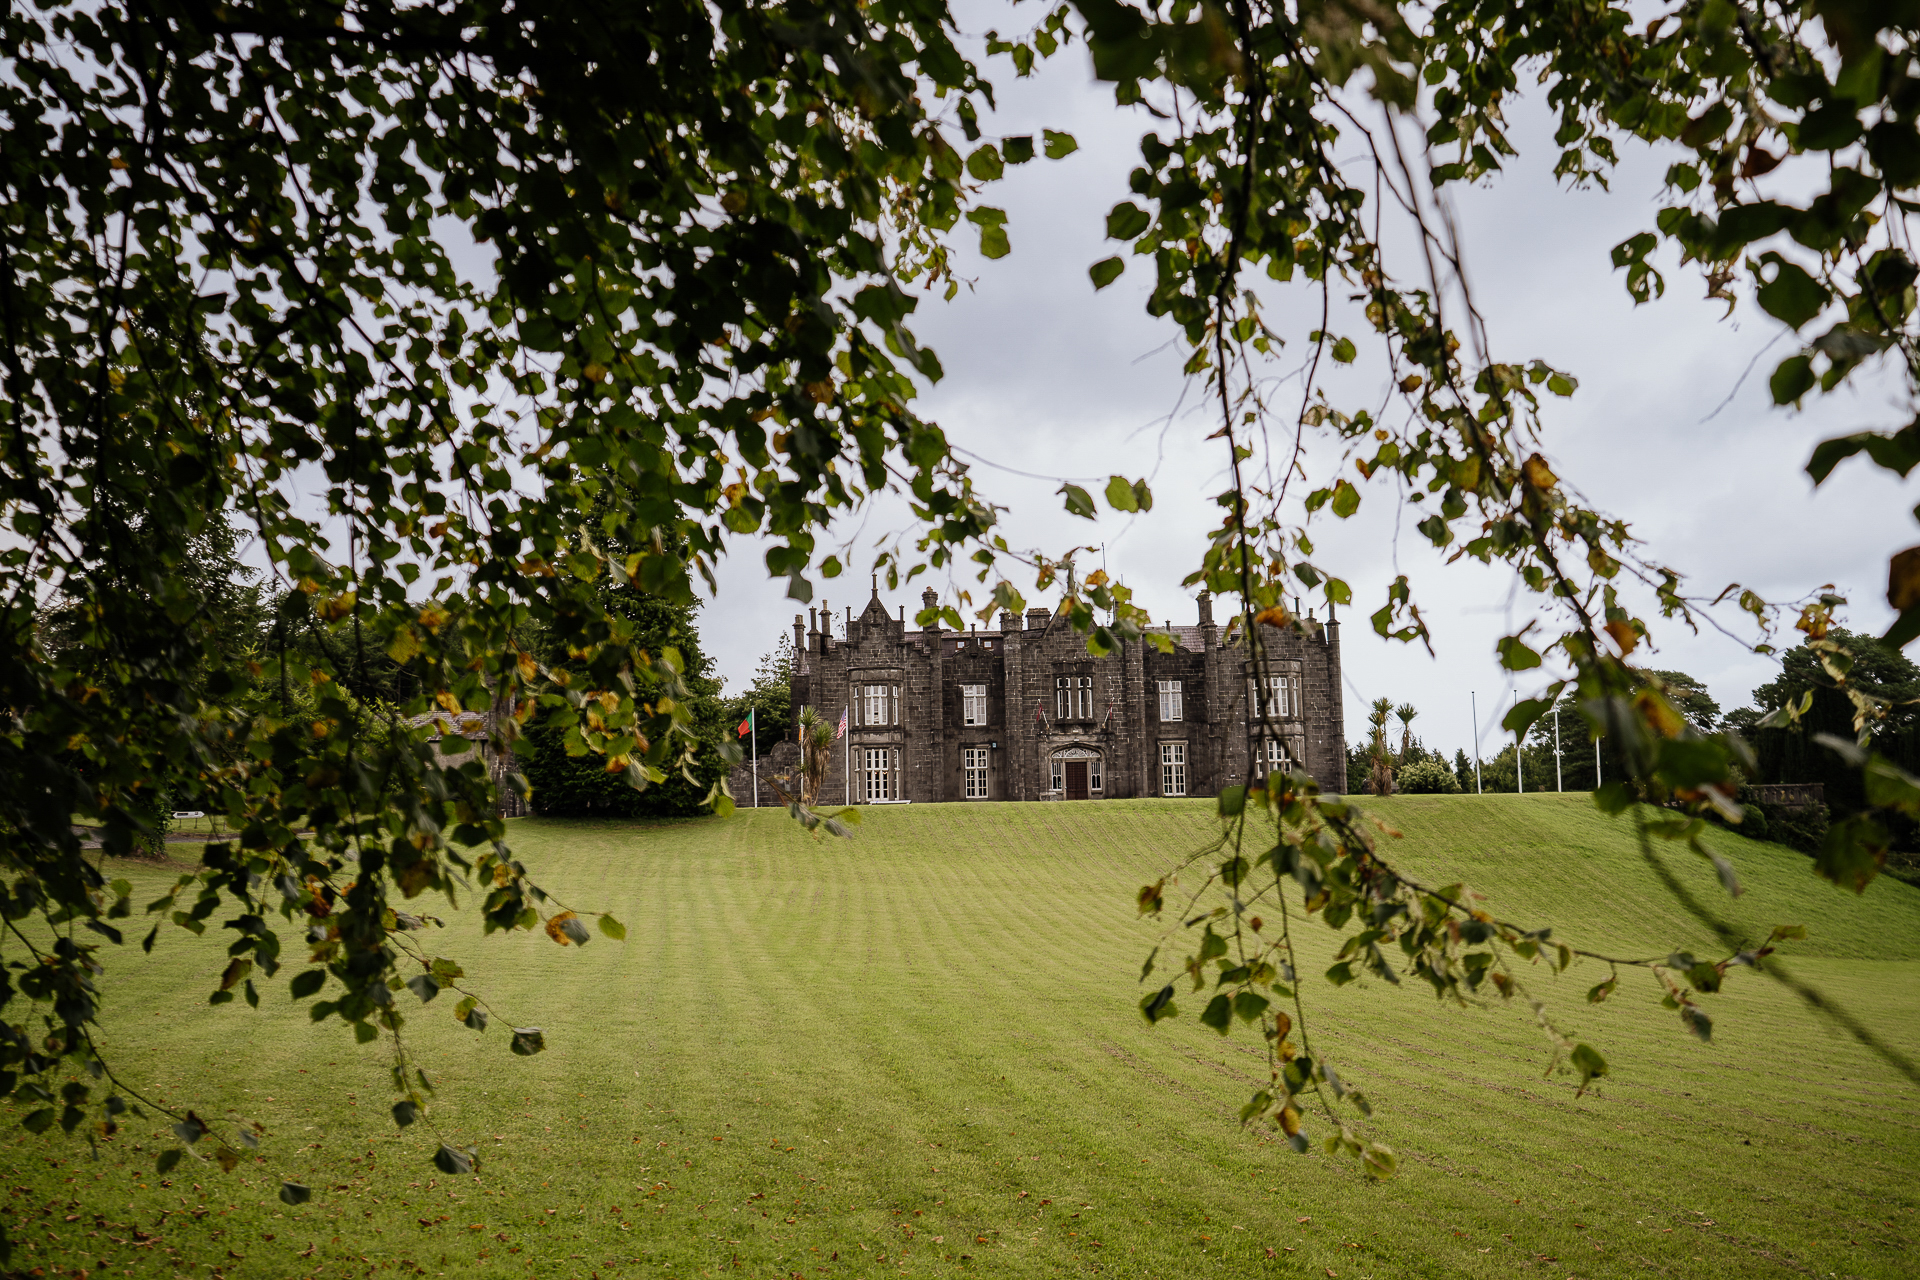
{"points": [[841, 732]]}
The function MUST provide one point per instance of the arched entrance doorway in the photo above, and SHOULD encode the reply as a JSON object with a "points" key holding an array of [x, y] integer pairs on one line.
{"points": [[1076, 774]]}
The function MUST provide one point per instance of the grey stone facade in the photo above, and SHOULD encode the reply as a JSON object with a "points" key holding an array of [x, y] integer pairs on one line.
{"points": [[1026, 713]]}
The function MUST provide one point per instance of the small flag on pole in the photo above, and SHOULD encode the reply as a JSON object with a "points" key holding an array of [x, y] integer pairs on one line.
{"points": [[841, 732], [746, 726]]}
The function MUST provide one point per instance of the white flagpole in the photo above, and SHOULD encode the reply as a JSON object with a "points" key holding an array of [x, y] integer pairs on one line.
{"points": [[1475, 703], [846, 760], [753, 731]]}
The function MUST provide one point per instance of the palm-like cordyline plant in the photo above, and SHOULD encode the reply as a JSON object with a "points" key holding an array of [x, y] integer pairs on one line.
{"points": [[1380, 775], [1405, 713]]}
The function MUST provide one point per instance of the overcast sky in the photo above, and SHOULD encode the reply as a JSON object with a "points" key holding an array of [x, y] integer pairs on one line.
{"points": [[1046, 377]]}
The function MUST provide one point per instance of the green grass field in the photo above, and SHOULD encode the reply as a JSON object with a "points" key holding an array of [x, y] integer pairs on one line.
{"points": [[918, 1053]]}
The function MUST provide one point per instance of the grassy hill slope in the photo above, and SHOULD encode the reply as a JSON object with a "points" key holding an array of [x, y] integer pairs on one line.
{"points": [[916, 1052]]}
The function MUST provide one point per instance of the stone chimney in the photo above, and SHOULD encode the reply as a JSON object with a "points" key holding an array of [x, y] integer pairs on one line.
{"points": [[1206, 608], [930, 599], [1009, 621], [1037, 618]]}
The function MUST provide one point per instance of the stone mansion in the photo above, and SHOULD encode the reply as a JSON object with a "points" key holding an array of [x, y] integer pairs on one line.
{"points": [[1026, 713]]}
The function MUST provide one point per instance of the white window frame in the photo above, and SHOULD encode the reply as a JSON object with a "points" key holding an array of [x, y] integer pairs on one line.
{"points": [[1173, 768], [880, 704], [1273, 756], [1058, 775], [1074, 697], [1172, 703], [1281, 698], [977, 772], [1093, 775], [973, 704], [879, 774]]}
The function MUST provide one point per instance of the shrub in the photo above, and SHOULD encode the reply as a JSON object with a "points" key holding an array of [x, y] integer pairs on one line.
{"points": [[1426, 778], [1802, 829]]}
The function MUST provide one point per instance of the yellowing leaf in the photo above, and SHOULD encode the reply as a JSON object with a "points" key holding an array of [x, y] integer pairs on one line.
{"points": [[556, 927]]}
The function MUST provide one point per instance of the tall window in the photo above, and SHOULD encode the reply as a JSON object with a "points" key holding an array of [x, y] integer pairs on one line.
{"points": [[974, 763], [973, 704], [881, 704], [1271, 756], [1073, 698], [1279, 697], [1173, 768], [1170, 708], [881, 773]]}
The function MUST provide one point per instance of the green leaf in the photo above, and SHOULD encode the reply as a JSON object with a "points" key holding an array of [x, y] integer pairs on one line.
{"points": [[1232, 801], [1120, 495], [1343, 351], [993, 232], [424, 986], [1126, 221], [1898, 452], [167, 1160], [453, 1160], [1106, 271], [1522, 715], [39, 1121], [528, 1041], [1853, 852], [1017, 150], [1341, 974], [1218, 1013], [1058, 145], [1079, 501], [612, 928], [405, 1113], [294, 1193], [1249, 1005], [1792, 296], [985, 163], [1346, 499], [1158, 1005], [1792, 379], [1515, 655]]}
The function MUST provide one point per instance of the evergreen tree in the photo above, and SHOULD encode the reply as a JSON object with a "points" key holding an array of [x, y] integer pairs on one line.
{"points": [[769, 697]]}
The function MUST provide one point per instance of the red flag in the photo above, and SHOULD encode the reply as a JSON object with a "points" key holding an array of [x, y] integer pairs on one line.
{"points": [[746, 726]]}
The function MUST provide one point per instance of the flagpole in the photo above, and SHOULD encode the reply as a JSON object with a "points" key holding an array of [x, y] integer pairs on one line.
{"points": [[753, 732], [846, 761]]}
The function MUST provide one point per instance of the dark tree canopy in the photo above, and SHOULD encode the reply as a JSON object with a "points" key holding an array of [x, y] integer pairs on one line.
{"points": [[229, 298]]}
